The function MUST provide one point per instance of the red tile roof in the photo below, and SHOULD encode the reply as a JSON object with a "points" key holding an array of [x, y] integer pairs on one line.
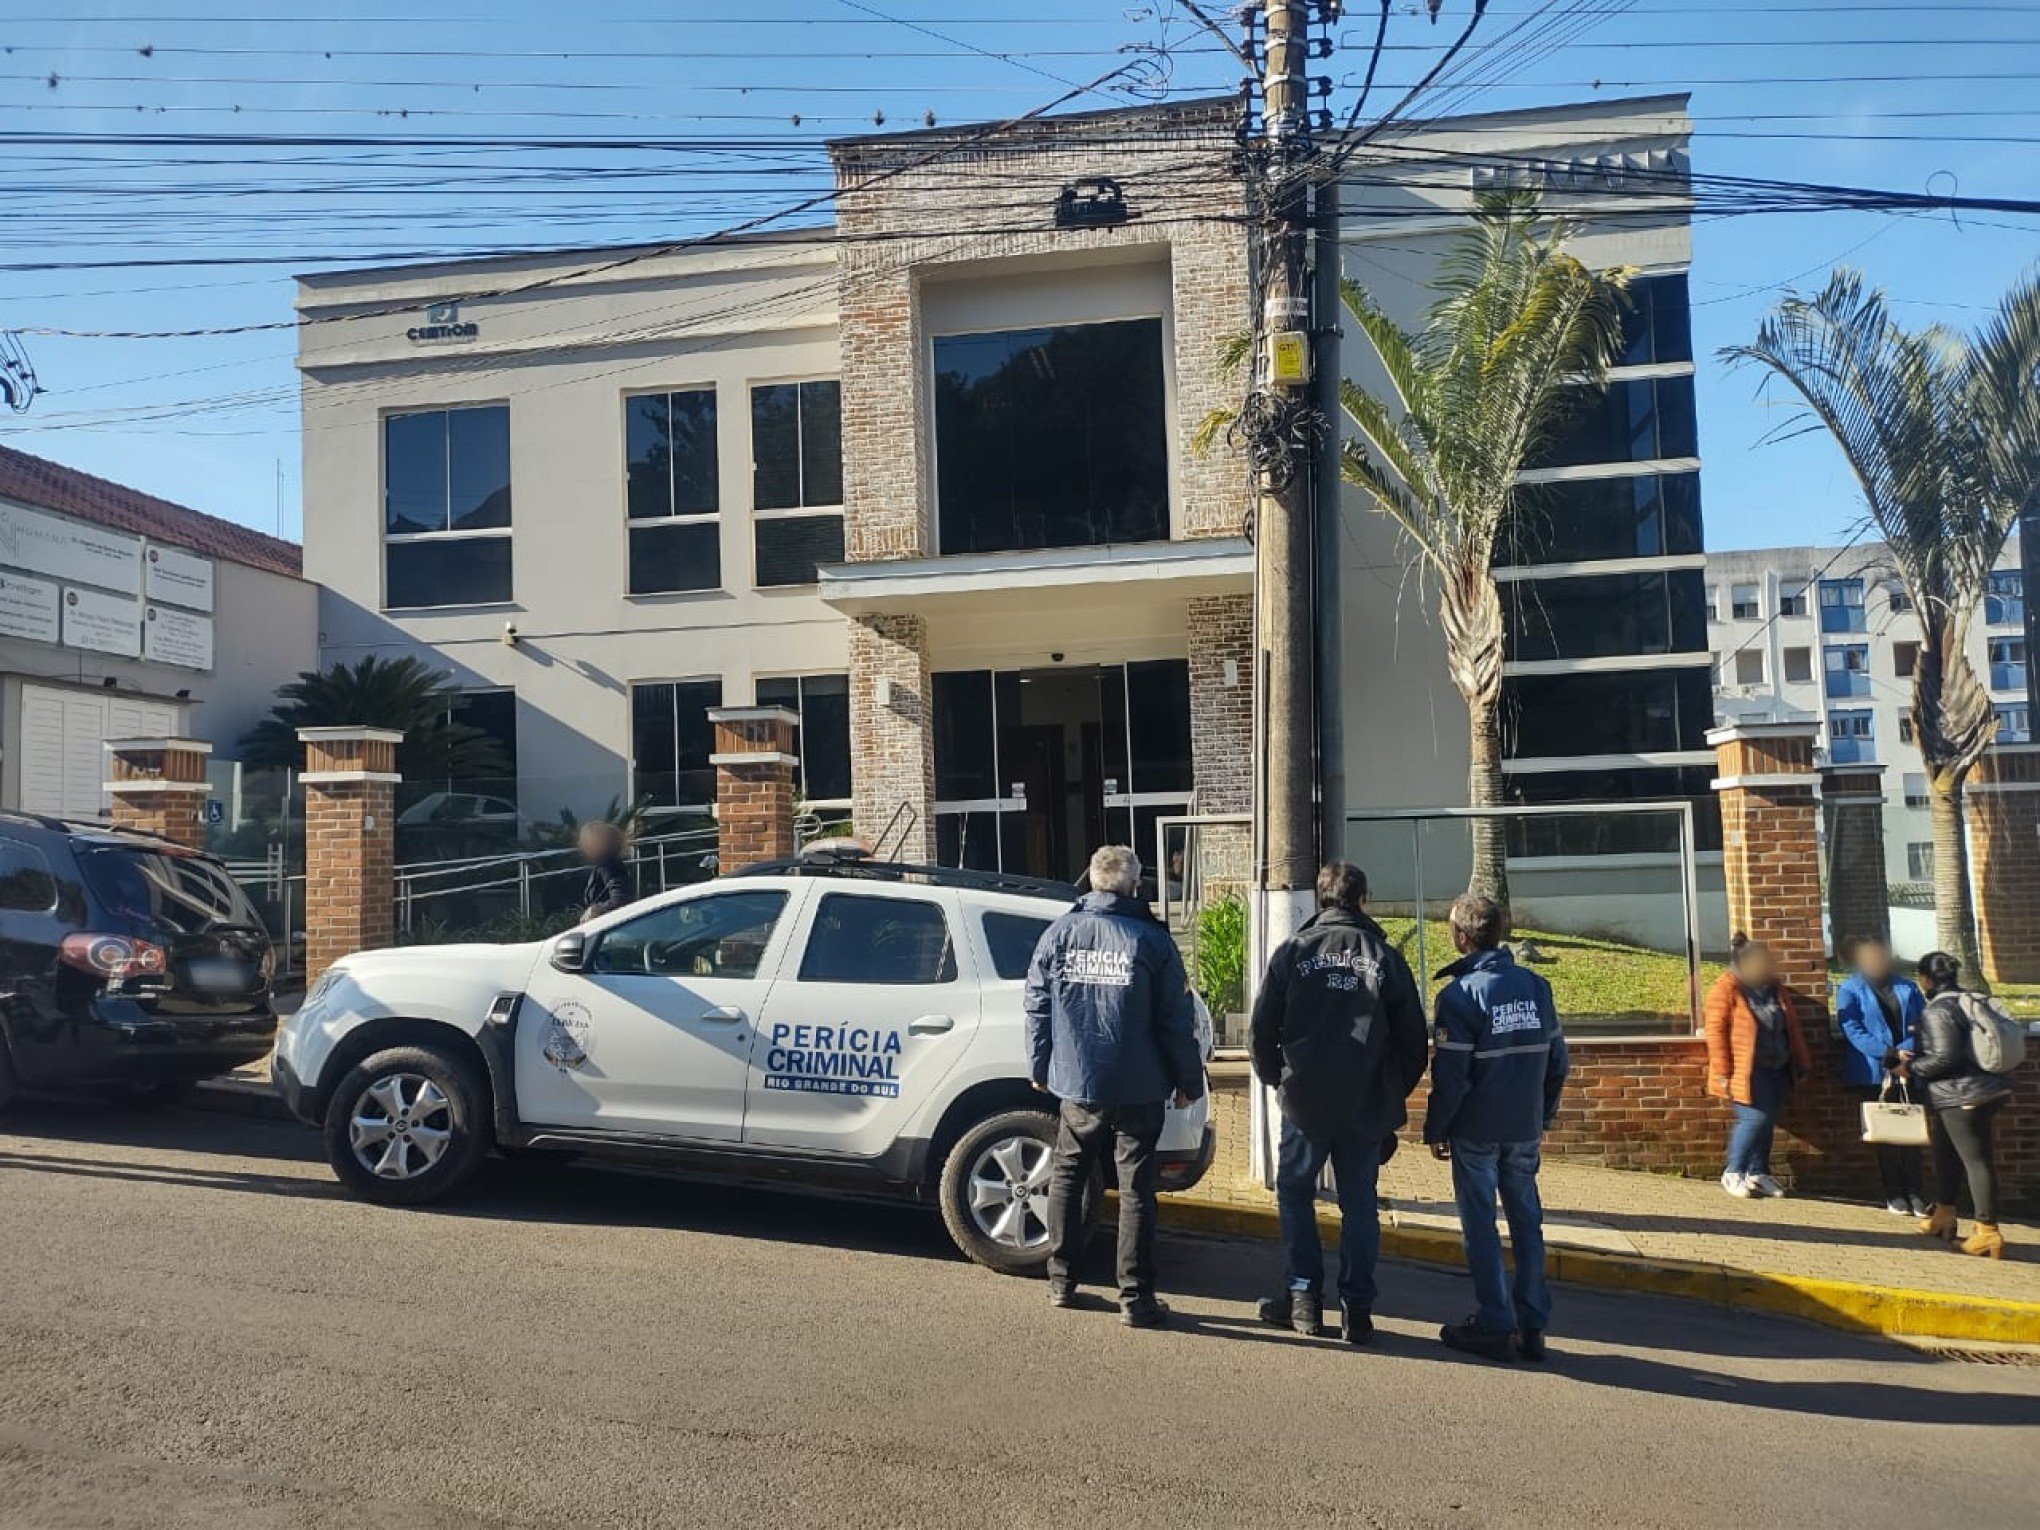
{"points": [[46, 485]]}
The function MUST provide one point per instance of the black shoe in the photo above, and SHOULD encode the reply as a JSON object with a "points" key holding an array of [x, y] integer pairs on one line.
{"points": [[1307, 1314], [1062, 1293], [1356, 1328], [1275, 1310], [1530, 1343], [1471, 1338], [1146, 1313]]}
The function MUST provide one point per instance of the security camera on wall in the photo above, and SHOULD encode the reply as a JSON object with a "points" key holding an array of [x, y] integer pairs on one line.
{"points": [[509, 634]]}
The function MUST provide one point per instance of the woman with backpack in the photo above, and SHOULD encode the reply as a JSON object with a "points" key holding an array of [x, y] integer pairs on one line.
{"points": [[1966, 1050], [1756, 1052]]}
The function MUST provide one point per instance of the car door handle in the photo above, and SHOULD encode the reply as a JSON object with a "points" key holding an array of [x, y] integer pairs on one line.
{"points": [[931, 1025], [723, 1014]]}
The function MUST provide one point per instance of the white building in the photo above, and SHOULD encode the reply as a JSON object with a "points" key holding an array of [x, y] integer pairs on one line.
{"points": [[1825, 634]]}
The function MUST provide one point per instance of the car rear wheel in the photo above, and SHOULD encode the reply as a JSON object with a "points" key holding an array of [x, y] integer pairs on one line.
{"points": [[407, 1126], [994, 1191]]}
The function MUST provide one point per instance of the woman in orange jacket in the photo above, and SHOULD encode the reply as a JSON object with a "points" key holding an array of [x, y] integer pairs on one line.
{"points": [[1756, 1052]]}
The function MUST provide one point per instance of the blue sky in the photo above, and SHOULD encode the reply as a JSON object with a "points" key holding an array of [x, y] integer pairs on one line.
{"points": [[1930, 98]]}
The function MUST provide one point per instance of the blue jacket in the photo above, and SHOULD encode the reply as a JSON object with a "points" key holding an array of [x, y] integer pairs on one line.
{"points": [[1868, 1033], [1110, 1020], [1500, 1060]]}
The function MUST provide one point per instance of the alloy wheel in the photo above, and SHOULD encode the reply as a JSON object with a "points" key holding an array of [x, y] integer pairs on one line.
{"points": [[1009, 1191], [401, 1127]]}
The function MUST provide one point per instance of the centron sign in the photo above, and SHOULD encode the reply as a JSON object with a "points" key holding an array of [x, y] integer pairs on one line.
{"points": [[442, 322]]}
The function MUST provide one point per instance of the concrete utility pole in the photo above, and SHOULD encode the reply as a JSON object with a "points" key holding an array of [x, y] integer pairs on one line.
{"points": [[1286, 864]]}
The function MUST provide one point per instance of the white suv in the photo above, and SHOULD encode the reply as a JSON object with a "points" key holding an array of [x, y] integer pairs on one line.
{"points": [[839, 1025]]}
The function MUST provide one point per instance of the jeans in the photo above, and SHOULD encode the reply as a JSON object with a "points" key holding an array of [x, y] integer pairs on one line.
{"points": [[1479, 1171], [1749, 1141], [1356, 1166], [1083, 1136], [1962, 1151], [1898, 1168]]}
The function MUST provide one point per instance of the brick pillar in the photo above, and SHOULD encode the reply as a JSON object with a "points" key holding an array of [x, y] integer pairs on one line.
{"points": [[2002, 804], [1852, 812], [158, 787], [1221, 633], [754, 785], [350, 780], [892, 733], [1771, 844]]}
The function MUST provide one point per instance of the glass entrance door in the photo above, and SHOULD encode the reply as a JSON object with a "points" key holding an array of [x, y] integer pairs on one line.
{"points": [[1036, 768]]}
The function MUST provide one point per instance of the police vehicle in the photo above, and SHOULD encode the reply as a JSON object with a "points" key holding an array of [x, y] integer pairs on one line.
{"points": [[831, 1022]]}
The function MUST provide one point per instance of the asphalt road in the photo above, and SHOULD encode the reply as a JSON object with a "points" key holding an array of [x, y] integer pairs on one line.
{"points": [[196, 1329]]}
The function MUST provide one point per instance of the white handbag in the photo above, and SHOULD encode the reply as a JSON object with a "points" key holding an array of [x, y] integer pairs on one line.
{"points": [[1895, 1123]]}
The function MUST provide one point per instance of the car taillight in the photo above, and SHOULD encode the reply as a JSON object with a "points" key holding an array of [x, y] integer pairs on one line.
{"points": [[114, 956]]}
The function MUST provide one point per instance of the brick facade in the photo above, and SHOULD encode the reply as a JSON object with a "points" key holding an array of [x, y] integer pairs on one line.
{"points": [[158, 786], [1771, 845], [754, 785], [1222, 730], [1858, 891], [350, 782], [892, 740], [2002, 802]]}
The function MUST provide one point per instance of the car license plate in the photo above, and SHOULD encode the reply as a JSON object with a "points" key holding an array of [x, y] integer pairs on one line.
{"points": [[219, 976]]}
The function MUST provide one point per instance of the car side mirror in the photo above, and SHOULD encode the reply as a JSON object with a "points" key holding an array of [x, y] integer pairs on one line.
{"points": [[570, 952]]}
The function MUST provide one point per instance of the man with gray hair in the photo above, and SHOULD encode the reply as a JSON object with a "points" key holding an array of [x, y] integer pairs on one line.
{"points": [[1495, 1079], [1112, 1033]]}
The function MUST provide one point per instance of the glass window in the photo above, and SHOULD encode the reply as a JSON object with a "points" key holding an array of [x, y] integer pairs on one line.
{"points": [[1898, 598], [446, 507], [671, 740], [1905, 658], [2004, 605], [1158, 725], [1919, 860], [2015, 724], [1799, 666], [1848, 669], [1614, 833], [2008, 664], [1634, 420], [1749, 666], [790, 548], [1658, 322], [180, 892], [1841, 605], [722, 935], [1852, 737], [1916, 790], [1746, 603], [822, 738], [672, 492], [1792, 599], [1605, 614], [966, 761], [1712, 602], [26, 882], [1051, 437], [796, 445], [1012, 938], [1615, 712], [1640, 516], [675, 557], [1905, 728], [895, 941]]}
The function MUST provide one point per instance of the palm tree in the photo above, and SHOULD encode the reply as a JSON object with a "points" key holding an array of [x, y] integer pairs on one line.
{"points": [[403, 693], [1943, 434], [1520, 335]]}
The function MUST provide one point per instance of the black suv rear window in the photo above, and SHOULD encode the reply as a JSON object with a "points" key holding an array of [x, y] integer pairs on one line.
{"points": [[186, 893]]}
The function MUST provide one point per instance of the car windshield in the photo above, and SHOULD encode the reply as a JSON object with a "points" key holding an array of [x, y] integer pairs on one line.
{"points": [[186, 893]]}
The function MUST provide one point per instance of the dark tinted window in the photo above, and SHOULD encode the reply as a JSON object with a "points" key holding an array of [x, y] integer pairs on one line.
{"points": [[966, 764], [723, 935], [1013, 938], [1631, 421], [446, 470], [1658, 325], [671, 740], [184, 893], [675, 557], [796, 445], [894, 941], [1613, 833], [790, 548], [1636, 517], [822, 740], [1051, 437], [1158, 711], [670, 454], [459, 571], [1606, 614], [26, 883], [1620, 712]]}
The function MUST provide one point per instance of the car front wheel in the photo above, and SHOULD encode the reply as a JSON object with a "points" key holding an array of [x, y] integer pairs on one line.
{"points": [[994, 1191], [407, 1126]]}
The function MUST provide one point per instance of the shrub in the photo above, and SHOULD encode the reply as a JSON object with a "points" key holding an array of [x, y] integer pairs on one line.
{"points": [[1218, 954]]}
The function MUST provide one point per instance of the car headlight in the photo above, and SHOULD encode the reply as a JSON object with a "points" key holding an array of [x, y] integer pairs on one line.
{"points": [[328, 980]]}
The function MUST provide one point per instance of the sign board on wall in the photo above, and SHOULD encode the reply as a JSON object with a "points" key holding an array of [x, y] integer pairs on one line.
{"points": [[171, 636], [28, 608], [68, 550], [182, 578], [102, 622]]}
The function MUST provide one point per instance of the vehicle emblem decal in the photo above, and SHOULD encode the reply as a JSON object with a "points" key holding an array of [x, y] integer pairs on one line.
{"points": [[569, 1037]]}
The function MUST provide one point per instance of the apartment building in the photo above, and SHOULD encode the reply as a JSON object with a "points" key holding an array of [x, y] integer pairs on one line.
{"points": [[1827, 635], [926, 477]]}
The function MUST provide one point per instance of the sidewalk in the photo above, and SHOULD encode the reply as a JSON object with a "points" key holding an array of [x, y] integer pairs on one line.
{"points": [[1847, 1265]]}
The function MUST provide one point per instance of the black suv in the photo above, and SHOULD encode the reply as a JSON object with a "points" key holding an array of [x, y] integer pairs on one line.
{"points": [[126, 962]]}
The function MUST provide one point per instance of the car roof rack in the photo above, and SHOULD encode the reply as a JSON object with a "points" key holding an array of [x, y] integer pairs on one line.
{"points": [[852, 867]]}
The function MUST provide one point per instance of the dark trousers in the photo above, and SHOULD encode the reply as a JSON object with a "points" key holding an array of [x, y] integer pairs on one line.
{"points": [[1898, 1168], [1962, 1151], [1356, 1171], [1085, 1134]]}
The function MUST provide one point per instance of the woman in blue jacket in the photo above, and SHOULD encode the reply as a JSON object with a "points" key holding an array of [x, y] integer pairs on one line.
{"points": [[1879, 1013]]}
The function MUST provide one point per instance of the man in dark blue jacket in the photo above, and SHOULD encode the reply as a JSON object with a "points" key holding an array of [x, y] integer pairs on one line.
{"points": [[1495, 1080], [1112, 1033]]}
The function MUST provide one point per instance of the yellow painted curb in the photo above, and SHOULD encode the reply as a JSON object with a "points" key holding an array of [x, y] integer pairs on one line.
{"points": [[1847, 1305]]}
